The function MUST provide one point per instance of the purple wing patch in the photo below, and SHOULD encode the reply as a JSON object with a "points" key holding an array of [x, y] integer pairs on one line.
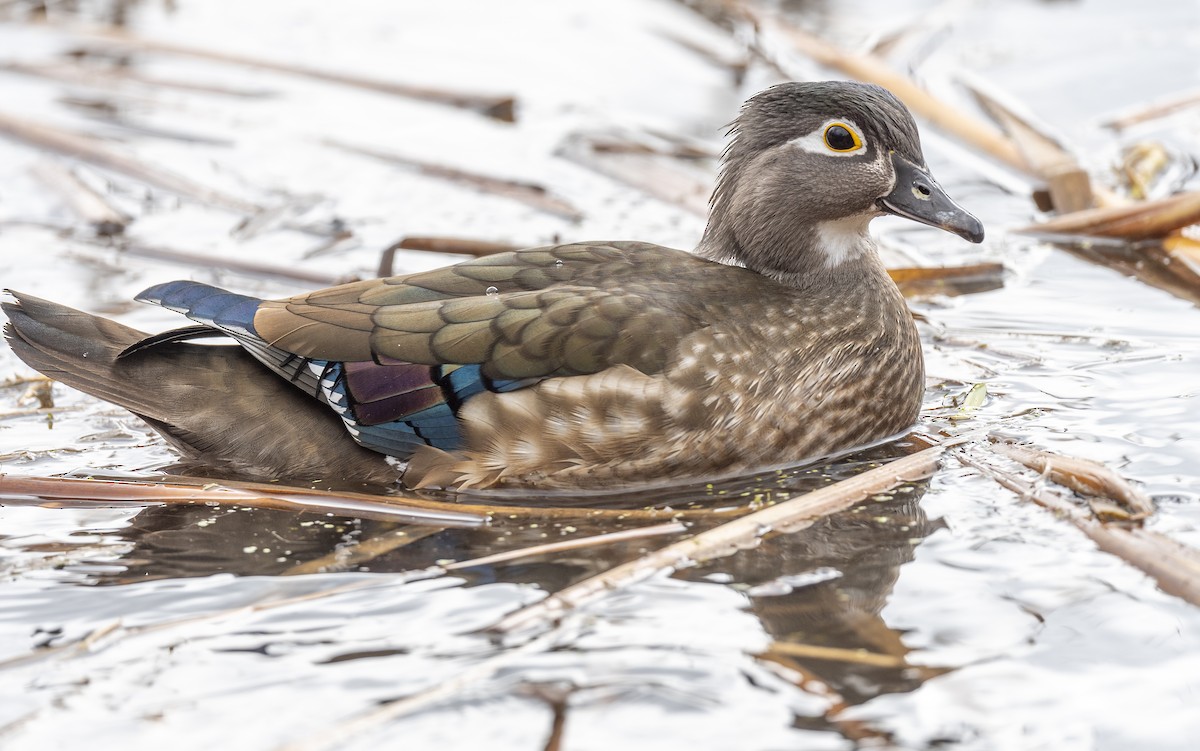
{"points": [[383, 393]]}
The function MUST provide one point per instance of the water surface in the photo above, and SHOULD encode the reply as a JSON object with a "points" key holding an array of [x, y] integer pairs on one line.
{"points": [[194, 628]]}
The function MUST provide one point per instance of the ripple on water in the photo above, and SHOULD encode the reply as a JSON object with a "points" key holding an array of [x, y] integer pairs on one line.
{"points": [[1004, 627]]}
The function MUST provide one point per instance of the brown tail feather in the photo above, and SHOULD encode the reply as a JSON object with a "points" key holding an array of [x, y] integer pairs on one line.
{"points": [[216, 404]]}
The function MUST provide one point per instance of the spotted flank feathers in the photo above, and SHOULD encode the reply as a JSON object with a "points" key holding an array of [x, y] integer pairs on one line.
{"points": [[388, 406]]}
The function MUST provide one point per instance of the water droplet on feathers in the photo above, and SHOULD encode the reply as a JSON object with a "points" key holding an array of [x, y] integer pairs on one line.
{"points": [[491, 291]]}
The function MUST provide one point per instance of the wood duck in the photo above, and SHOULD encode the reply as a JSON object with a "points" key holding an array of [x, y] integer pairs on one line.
{"points": [[585, 365]]}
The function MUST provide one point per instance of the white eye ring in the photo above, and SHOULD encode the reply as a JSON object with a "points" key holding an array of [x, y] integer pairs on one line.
{"points": [[814, 143]]}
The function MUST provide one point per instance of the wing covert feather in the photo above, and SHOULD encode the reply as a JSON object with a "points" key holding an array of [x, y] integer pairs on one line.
{"points": [[553, 311]]}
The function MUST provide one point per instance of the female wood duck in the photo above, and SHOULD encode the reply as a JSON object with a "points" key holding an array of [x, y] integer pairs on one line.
{"points": [[591, 364]]}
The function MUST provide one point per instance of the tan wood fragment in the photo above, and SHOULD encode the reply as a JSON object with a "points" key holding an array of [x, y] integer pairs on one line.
{"points": [[1138, 221], [459, 245], [1183, 247], [948, 280], [1081, 475], [453, 245]]}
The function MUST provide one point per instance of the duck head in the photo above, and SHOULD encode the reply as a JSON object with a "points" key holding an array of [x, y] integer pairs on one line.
{"points": [[809, 166]]}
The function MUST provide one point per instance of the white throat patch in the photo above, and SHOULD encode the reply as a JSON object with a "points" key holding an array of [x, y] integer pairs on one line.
{"points": [[844, 239]]}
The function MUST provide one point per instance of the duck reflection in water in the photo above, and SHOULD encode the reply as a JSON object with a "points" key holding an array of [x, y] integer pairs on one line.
{"points": [[821, 588]]}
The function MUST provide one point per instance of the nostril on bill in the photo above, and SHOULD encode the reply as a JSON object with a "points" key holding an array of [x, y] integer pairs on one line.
{"points": [[922, 189]]}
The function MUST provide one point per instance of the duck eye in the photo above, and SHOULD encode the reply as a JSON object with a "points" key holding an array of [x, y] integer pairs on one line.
{"points": [[840, 138]]}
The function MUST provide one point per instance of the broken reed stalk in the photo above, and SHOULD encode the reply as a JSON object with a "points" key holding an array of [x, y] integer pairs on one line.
{"points": [[494, 512], [1173, 566], [500, 107], [459, 245], [191, 490], [1153, 111], [1081, 475], [51, 491], [837, 654], [557, 705], [115, 77], [59, 141], [456, 245], [527, 193], [1137, 221], [1151, 263], [725, 539], [343, 559], [948, 280], [675, 148], [86, 203], [1181, 246]]}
